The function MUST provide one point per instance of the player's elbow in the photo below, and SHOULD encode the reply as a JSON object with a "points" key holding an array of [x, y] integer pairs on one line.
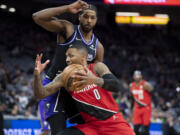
{"points": [[36, 18], [111, 83]]}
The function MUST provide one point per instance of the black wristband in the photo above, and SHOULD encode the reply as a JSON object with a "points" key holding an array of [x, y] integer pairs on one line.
{"points": [[111, 83]]}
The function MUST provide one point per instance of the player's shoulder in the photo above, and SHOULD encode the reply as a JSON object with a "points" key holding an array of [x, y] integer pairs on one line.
{"points": [[144, 82]]}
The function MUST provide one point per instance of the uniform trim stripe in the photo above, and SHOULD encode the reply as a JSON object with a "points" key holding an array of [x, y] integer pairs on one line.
{"points": [[88, 43], [57, 99], [70, 40], [94, 106]]}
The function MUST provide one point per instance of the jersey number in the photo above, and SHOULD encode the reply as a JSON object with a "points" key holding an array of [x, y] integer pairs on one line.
{"points": [[96, 94], [56, 104], [140, 95]]}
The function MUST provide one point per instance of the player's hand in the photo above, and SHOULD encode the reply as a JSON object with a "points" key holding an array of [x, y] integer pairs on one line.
{"points": [[140, 104], [77, 6], [39, 67], [84, 78]]}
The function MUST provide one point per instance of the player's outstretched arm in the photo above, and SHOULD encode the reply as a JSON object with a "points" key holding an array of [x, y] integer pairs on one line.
{"points": [[41, 91], [104, 78], [46, 18]]}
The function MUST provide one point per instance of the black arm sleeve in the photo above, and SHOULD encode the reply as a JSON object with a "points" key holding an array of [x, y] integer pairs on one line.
{"points": [[111, 83]]}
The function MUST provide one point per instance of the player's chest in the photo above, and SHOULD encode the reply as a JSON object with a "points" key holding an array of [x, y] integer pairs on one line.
{"points": [[138, 90], [90, 92]]}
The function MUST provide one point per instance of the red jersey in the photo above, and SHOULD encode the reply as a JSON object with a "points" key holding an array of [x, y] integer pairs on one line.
{"points": [[140, 93], [95, 103]]}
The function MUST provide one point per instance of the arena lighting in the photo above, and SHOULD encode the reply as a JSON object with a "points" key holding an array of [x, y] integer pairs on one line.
{"points": [[150, 20], [12, 10], [2, 6], [142, 20], [162, 15], [127, 14], [178, 89]]}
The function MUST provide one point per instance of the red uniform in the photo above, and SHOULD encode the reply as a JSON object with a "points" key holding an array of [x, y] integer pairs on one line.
{"points": [[100, 112], [142, 115]]}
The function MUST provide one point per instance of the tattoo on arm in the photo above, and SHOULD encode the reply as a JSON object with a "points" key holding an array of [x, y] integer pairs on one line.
{"points": [[106, 79], [41, 91], [101, 69]]}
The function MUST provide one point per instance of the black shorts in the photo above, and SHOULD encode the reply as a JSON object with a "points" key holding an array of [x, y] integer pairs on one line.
{"points": [[69, 107]]}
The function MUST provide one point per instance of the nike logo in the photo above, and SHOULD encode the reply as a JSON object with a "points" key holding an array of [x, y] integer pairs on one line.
{"points": [[115, 117], [78, 38], [92, 47]]}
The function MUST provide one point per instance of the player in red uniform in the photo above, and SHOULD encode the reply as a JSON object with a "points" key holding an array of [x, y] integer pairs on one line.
{"points": [[95, 101], [140, 90]]}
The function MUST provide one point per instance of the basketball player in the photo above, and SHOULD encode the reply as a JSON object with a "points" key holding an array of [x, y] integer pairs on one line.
{"points": [[67, 34], [140, 90], [94, 101]]}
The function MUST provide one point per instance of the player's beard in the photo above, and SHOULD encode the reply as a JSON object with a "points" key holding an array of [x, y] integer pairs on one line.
{"points": [[86, 29]]}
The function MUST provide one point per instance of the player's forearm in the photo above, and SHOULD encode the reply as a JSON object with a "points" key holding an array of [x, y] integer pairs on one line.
{"points": [[109, 82], [48, 13], [39, 91], [140, 104]]}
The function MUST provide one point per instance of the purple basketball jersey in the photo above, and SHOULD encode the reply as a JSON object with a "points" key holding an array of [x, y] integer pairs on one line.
{"points": [[47, 107]]}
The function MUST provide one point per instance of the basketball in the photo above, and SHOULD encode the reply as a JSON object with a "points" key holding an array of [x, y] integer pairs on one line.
{"points": [[68, 72]]}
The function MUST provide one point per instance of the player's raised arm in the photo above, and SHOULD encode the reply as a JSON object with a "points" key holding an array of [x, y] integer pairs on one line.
{"points": [[41, 91], [46, 18], [100, 53]]}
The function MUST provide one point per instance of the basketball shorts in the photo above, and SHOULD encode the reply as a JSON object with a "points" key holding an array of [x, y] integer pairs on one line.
{"points": [[142, 115], [44, 124], [115, 125]]}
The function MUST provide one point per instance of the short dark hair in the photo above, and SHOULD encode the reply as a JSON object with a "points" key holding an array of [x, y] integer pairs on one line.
{"points": [[90, 7], [137, 72], [79, 46]]}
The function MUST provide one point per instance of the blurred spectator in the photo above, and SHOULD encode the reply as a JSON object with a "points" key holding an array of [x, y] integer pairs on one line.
{"points": [[23, 101]]}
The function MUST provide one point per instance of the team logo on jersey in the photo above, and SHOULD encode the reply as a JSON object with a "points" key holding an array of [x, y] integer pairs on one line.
{"points": [[78, 38], [141, 87], [90, 57], [93, 47], [45, 123], [87, 88], [47, 106]]}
